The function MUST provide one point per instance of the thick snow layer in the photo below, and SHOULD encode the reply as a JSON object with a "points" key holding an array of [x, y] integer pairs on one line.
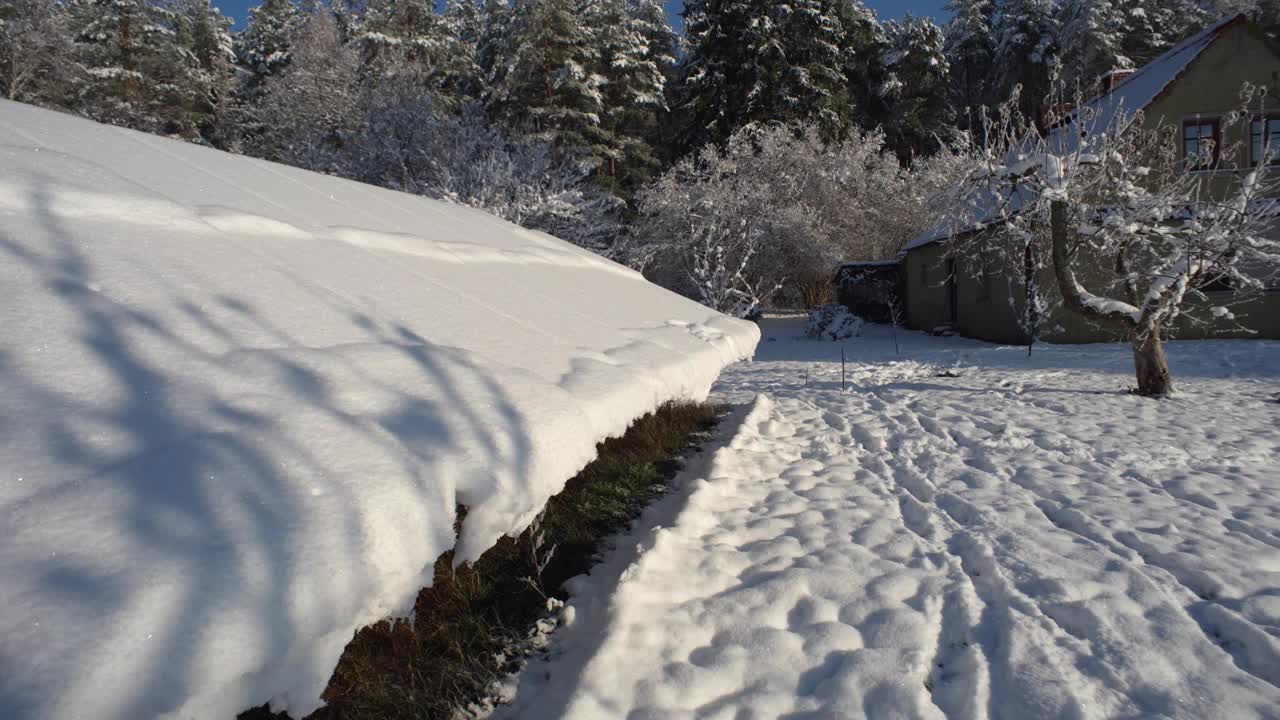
{"points": [[965, 533], [239, 404]]}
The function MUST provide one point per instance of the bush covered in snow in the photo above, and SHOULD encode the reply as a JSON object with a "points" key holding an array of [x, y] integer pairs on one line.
{"points": [[415, 146], [833, 322], [767, 217]]}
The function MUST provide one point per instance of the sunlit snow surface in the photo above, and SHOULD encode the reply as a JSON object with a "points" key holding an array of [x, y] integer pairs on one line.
{"points": [[1023, 541], [239, 404]]}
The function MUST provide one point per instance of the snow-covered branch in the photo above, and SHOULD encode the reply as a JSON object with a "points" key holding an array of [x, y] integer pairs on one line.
{"points": [[1133, 228]]}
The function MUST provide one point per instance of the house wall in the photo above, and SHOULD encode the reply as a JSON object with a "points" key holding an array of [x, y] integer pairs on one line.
{"points": [[1210, 87], [990, 309], [985, 310], [1259, 316], [995, 317], [923, 275]]}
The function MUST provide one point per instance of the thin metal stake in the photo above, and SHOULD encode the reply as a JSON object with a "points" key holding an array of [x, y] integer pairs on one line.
{"points": [[842, 387]]}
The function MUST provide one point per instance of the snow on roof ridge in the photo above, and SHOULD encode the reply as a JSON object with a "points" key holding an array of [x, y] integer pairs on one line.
{"points": [[1183, 46]]}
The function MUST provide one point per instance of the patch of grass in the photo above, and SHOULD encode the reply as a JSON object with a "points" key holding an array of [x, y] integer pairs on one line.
{"points": [[469, 617]]}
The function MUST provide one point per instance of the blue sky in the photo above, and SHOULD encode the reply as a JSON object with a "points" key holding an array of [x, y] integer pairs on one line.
{"points": [[887, 9]]}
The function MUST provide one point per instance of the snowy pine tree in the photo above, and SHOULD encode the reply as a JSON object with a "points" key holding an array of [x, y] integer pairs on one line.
{"points": [[207, 71], [495, 40], [661, 41], [545, 80], [1093, 39], [918, 87], [405, 42], [37, 62], [136, 67], [760, 61], [1026, 49], [665, 47], [633, 96], [1153, 26], [309, 113], [464, 27], [717, 77], [812, 85], [971, 50], [1267, 14], [263, 49], [863, 51], [349, 16]]}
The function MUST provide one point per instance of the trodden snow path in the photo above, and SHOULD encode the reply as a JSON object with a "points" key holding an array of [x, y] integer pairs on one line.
{"points": [[1022, 541]]}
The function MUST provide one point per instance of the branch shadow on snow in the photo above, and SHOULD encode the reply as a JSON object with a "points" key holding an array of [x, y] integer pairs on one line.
{"points": [[201, 489]]}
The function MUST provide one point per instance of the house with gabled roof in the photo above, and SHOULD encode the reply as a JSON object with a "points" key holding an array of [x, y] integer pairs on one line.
{"points": [[1193, 86]]}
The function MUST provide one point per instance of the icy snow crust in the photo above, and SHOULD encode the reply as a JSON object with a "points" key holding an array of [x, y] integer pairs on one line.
{"points": [[239, 404], [1023, 541]]}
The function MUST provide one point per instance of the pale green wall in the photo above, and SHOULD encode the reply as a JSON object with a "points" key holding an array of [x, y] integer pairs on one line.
{"points": [[988, 316], [1209, 87], [926, 298]]}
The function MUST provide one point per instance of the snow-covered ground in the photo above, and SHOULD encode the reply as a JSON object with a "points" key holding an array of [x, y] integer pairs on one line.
{"points": [[240, 403], [1023, 540]]}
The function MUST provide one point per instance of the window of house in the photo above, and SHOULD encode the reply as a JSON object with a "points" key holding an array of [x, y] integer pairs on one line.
{"points": [[1200, 143], [1264, 138]]}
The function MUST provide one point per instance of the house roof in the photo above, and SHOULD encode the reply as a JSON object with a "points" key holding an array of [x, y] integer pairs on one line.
{"points": [[1118, 106]]}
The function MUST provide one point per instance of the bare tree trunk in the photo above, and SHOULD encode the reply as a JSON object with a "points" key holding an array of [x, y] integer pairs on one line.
{"points": [[1032, 297], [1150, 363]]}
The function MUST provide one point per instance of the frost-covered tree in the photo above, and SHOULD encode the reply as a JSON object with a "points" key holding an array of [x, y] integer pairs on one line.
{"points": [[464, 26], [1026, 49], [137, 69], [662, 42], [397, 32], [863, 52], [414, 146], [37, 61], [762, 61], [918, 87], [207, 72], [263, 49], [548, 85], [971, 50], [349, 16], [309, 113], [664, 48], [407, 43], [1128, 235], [494, 44], [1093, 40], [634, 93], [1266, 13], [811, 86], [769, 212], [717, 74], [1152, 26]]}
